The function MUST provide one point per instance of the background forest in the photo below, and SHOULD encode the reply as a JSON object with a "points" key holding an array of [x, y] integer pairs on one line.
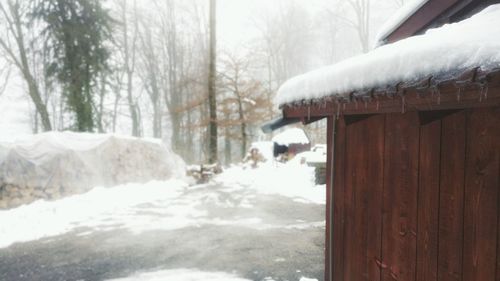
{"points": [[141, 67]]}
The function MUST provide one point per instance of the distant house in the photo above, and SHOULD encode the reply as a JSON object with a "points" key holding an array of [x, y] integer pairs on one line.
{"points": [[290, 143], [413, 185]]}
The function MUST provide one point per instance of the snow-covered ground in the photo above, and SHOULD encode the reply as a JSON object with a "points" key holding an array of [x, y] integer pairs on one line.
{"points": [[104, 208], [101, 208], [190, 275], [292, 180], [181, 275], [276, 201]]}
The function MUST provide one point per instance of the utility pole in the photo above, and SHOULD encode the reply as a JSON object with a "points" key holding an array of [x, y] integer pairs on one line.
{"points": [[212, 102]]}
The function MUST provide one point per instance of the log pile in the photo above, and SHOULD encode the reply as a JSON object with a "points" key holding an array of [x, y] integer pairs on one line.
{"points": [[203, 173], [12, 196], [54, 165], [319, 172]]}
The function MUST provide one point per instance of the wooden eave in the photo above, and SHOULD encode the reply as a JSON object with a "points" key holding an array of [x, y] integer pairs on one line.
{"points": [[472, 88], [422, 18], [435, 13]]}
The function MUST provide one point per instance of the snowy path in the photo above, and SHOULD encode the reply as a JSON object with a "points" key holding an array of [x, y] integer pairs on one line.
{"points": [[233, 229]]}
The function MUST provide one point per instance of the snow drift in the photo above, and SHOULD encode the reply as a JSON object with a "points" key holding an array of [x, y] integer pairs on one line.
{"points": [[53, 165]]}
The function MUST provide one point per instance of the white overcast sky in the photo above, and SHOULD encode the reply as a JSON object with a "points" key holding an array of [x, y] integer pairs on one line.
{"points": [[236, 17], [234, 27]]}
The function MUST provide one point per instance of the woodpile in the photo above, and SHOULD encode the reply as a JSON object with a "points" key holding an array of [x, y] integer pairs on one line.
{"points": [[203, 173], [320, 175], [54, 165], [319, 172], [12, 196]]}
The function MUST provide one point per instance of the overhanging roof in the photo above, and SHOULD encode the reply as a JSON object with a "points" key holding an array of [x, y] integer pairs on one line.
{"points": [[473, 88], [419, 15], [464, 53]]}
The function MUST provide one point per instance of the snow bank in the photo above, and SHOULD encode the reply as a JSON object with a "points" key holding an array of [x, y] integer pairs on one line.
{"points": [[301, 279], [99, 208], [397, 19], [450, 48], [55, 164], [182, 275], [293, 135], [291, 180], [307, 279]]}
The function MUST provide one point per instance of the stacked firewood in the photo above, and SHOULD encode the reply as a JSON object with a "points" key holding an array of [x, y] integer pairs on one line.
{"points": [[57, 165], [203, 173], [14, 196]]}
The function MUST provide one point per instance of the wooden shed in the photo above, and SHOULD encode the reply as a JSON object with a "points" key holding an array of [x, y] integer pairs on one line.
{"points": [[413, 183]]}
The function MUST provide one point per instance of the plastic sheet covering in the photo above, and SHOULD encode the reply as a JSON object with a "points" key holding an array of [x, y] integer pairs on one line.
{"points": [[51, 165]]}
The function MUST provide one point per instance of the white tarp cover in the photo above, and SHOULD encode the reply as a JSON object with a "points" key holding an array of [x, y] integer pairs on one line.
{"points": [[473, 42], [81, 161]]}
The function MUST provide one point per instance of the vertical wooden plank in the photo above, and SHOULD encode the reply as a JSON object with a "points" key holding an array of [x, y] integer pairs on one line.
{"points": [[498, 238], [481, 194], [400, 196], [428, 201], [338, 201], [329, 176], [363, 193], [451, 197]]}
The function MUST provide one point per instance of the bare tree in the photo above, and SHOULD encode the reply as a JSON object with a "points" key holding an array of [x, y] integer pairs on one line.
{"points": [[285, 46], [150, 71], [361, 21], [172, 50], [99, 107], [127, 46], [116, 86], [244, 98], [12, 15], [4, 77]]}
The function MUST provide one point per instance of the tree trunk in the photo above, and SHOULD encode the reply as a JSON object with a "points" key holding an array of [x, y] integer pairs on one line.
{"points": [[23, 65], [212, 103], [132, 107], [227, 146], [115, 110], [243, 127], [34, 93]]}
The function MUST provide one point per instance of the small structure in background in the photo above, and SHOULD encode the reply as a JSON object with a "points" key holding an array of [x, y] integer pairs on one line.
{"points": [[290, 143]]}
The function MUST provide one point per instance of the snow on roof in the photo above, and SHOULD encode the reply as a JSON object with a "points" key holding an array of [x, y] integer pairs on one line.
{"points": [[294, 135], [397, 19], [451, 48]]}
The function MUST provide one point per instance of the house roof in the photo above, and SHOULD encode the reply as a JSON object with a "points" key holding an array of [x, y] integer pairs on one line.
{"points": [[469, 47], [419, 15], [397, 19]]}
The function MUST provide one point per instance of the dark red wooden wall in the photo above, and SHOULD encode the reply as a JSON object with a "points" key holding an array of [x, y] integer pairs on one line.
{"points": [[416, 197]]}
